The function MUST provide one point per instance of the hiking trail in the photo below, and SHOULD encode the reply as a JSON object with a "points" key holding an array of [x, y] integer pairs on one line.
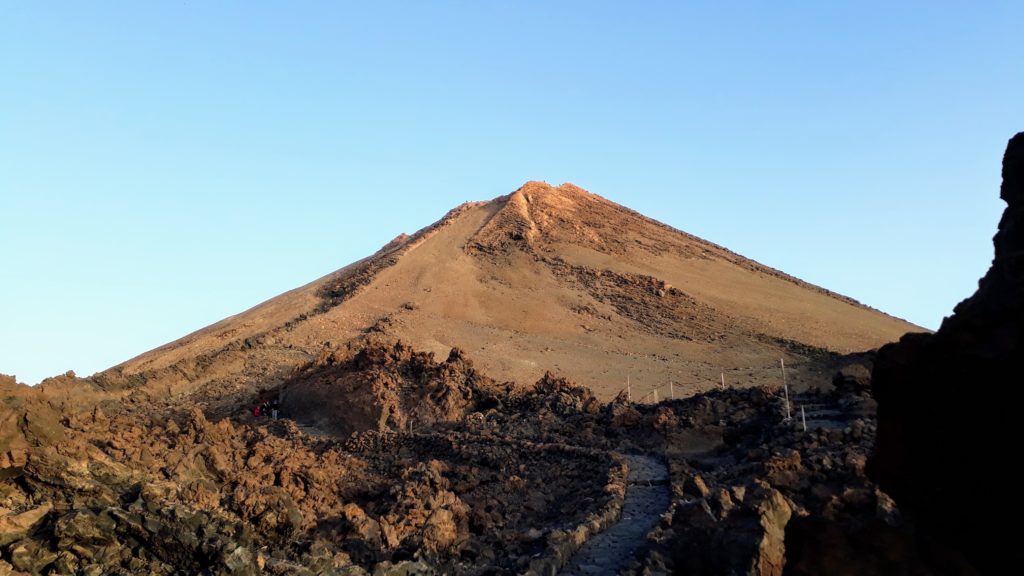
{"points": [[647, 498]]}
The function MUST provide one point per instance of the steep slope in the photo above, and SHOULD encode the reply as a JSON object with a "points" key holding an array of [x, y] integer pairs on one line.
{"points": [[544, 278]]}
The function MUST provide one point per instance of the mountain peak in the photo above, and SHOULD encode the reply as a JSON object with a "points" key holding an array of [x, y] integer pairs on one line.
{"points": [[542, 187], [545, 277], [534, 187]]}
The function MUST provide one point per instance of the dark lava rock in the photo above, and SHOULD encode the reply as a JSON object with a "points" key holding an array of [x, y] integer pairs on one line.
{"points": [[949, 402]]}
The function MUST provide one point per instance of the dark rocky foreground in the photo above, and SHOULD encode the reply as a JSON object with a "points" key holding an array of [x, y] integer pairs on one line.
{"points": [[445, 471], [386, 461], [949, 403]]}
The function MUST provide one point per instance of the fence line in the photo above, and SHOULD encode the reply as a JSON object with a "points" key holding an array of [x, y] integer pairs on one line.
{"points": [[653, 392]]}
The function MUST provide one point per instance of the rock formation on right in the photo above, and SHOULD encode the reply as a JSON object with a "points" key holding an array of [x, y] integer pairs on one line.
{"points": [[949, 409]]}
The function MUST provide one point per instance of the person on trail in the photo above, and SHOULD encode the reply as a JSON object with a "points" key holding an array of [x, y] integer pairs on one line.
{"points": [[256, 410], [274, 408]]}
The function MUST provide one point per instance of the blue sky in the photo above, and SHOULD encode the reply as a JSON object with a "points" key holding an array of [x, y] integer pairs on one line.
{"points": [[166, 164]]}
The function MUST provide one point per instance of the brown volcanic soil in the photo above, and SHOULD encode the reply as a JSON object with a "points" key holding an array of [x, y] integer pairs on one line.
{"points": [[544, 278]]}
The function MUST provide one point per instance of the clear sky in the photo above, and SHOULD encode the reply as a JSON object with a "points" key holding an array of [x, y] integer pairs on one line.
{"points": [[166, 164]]}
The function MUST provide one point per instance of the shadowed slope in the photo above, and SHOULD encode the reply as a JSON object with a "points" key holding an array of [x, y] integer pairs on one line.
{"points": [[937, 435]]}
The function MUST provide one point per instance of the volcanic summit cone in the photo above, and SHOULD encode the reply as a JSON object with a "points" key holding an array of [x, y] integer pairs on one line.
{"points": [[543, 278]]}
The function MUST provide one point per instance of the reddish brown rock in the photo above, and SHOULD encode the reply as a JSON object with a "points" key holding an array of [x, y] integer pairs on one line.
{"points": [[14, 526], [773, 515], [385, 387]]}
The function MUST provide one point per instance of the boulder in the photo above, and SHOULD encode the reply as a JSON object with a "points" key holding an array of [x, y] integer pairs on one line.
{"points": [[84, 528], [14, 527], [852, 379], [773, 515], [440, 531], [31, 556], [695, 486]]}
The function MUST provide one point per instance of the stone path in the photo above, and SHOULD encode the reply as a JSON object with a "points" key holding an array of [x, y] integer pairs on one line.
{"points": [[310, 430], [819, 414], [647, 498]]}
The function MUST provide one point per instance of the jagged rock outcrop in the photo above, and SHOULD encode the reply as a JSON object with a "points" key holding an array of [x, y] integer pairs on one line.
{"points": [[493, 479], [769, 498], [27, 419], [948, 414], [173, 490], [387, 387]]}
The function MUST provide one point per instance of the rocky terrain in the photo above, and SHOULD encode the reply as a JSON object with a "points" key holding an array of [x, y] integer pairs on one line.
{"points": [[440, 470], [166, 491], [388, 458]]}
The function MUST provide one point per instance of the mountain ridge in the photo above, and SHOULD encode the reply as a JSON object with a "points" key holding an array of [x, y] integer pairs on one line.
{"points": [[545, 276]]}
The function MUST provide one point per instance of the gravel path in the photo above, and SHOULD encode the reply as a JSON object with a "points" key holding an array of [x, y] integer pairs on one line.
{"points": [[647, 498]]}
